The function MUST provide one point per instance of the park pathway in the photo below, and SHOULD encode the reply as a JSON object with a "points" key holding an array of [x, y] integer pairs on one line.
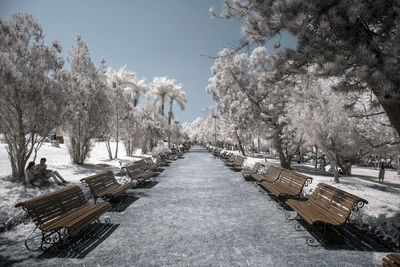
{"points": [[203, 214]]}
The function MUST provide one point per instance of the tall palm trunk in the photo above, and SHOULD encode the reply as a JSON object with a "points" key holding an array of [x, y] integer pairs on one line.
{"points": [[171, 103]]}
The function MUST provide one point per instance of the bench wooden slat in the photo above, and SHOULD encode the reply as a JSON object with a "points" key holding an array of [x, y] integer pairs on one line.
{"points": [[136, 171], [271, 174], [289, 183], [237, 162], [391, 260], [104, 185], [66, 208], [327, 204], [254, 170]]}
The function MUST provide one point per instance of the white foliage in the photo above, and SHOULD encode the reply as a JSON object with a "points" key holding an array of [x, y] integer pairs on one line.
{"points": [[31, 88], [86, 114]]}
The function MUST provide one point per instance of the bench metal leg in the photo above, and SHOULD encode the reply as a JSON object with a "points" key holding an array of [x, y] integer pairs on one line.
{"points": [[312, 242], [289, 217], [106, 220]]}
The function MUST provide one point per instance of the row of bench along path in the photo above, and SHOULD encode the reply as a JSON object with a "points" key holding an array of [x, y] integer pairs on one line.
{"points": [[203, 214]]}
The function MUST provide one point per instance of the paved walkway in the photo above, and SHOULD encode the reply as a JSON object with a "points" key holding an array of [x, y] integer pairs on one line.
{"points": [[203, 214]]}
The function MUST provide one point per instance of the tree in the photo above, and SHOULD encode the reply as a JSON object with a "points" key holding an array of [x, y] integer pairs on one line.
{"points": [[136, 87], [152, 126], [160, 88], [87, 109], [248, 86], [356, 41], [31, 88], [333, 121], [176, 95], [120, 106]]}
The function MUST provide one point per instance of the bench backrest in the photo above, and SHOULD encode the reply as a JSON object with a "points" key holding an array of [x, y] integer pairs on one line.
{"points": [[295, 181], [162, 156], [100, 182], [46, 208], [272, 173], [136, 168], [217, 151], [239, 160], [232, 157], [228, 155], [256, 167], [337, 203], [149, 160]]}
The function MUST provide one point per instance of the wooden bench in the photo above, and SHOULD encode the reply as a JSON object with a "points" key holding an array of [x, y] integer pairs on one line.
{"points": [[254, 170], [237, 163], [137, 171], [289, 183], [391, 260], [271, 175], [62, 214], [223, 154], [104, 185], [162, 159], [151, 165], [217, 152], [177, 153], [328, 206], [226, 156], [171, 155], [230, 159]]}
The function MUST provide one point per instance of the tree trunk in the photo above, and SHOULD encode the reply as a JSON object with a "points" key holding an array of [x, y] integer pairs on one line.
{"points": [[392, 110], [346, 168], [162, 105], [117, 134], [240, 144], [285, 162], [108, 146], [336, 179], [316, 157], [398, 164], [253, 148], [151, 144]]}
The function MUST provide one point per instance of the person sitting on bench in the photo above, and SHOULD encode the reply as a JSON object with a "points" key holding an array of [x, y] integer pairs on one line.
{"points": [[43, 173]]}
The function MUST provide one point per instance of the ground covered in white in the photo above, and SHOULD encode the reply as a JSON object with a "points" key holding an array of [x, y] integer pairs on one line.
{"points": [[199, 213], [57, 159], [381, 215]]}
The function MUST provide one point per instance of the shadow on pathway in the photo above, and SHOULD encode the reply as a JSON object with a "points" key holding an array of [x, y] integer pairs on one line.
{"points": [[122, 202], [82, 245]]}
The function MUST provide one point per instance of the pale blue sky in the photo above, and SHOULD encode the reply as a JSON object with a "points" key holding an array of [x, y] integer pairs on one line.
{"points": [[151, 37]]}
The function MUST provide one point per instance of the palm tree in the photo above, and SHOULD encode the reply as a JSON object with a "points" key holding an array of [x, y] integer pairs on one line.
{"points": [[179, 97], [131, 83], [120, 83], [160, 88]]}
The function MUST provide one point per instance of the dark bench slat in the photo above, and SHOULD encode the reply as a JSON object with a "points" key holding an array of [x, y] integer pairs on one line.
{"points": [[327, 204], [136, 172], [115, 191], [105, 185], [66, 208], [314, 213], [254, 170], [52, 224], [391, 260], [86, 218], [311, 214], [44, 209], [289, 183], [237, 162], [271, 175]]}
